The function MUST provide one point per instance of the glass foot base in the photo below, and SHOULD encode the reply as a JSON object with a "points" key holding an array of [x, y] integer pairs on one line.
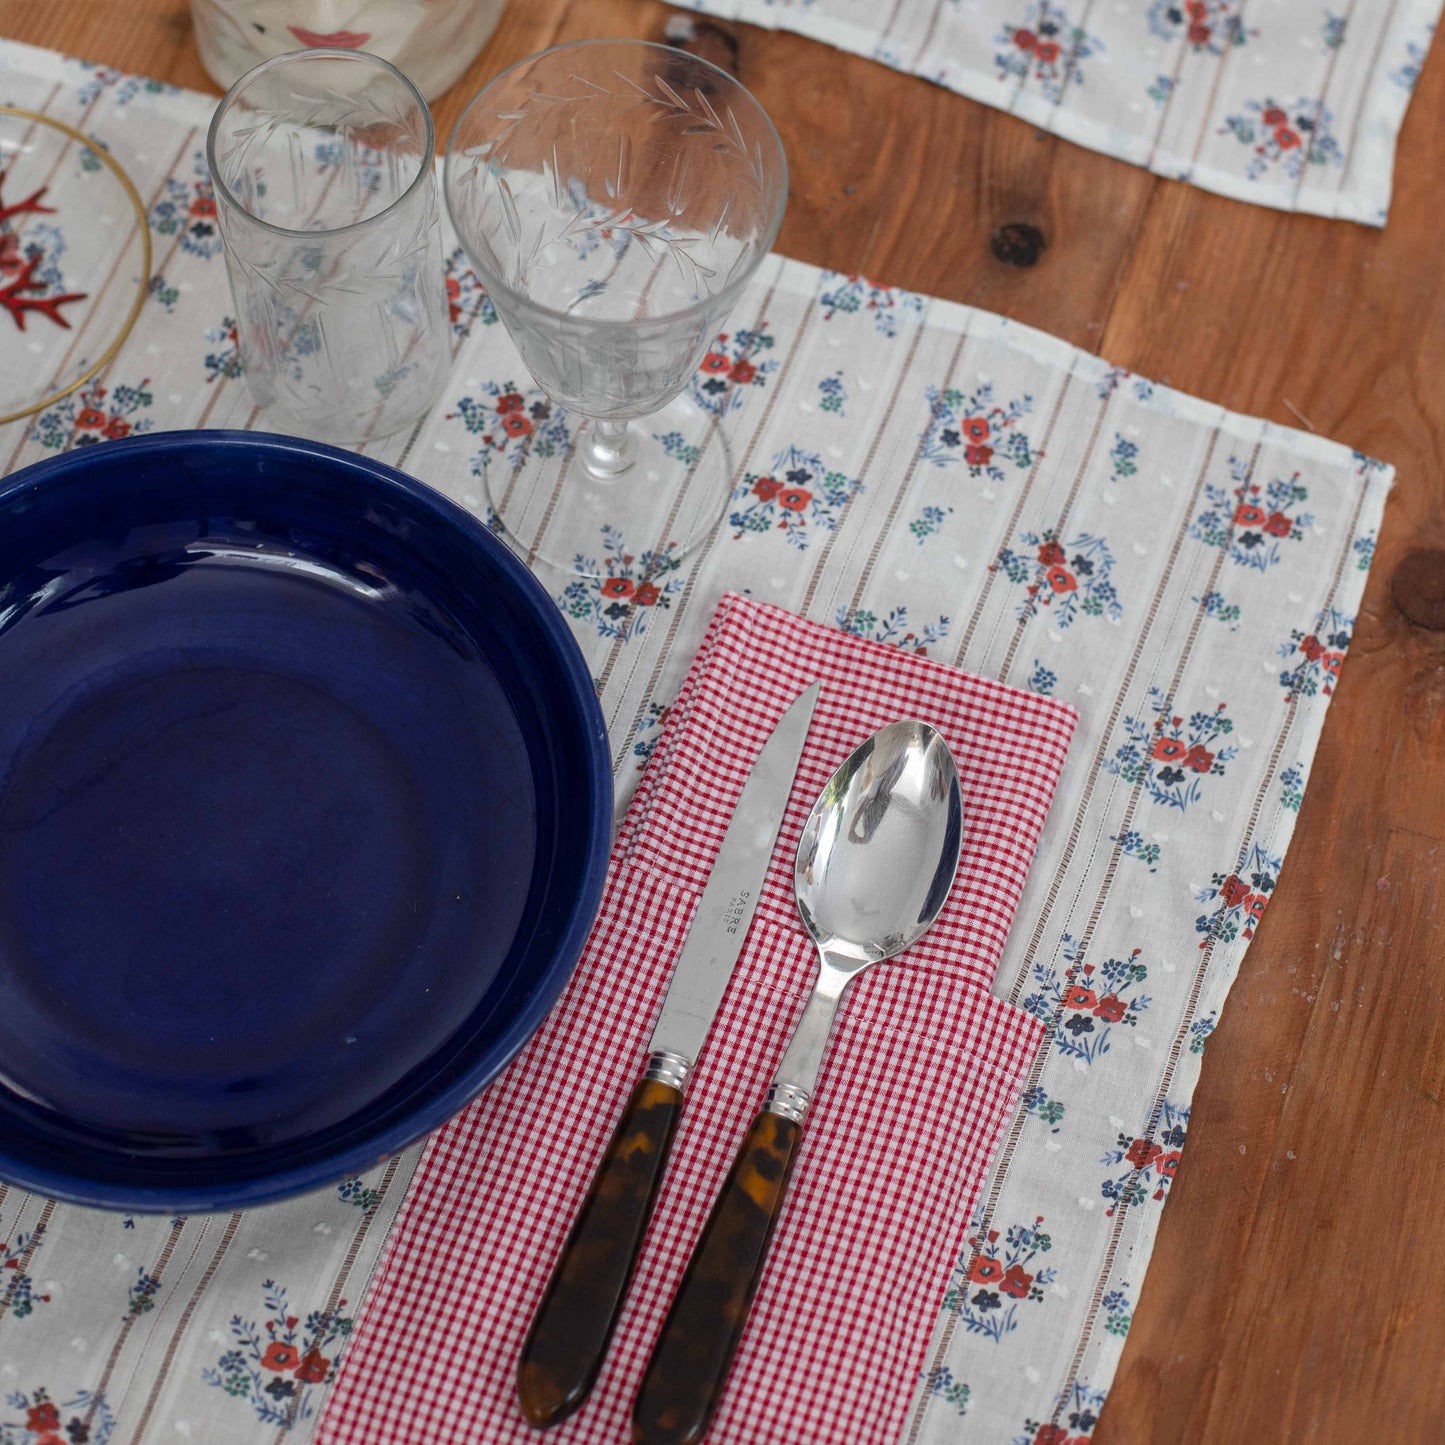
{"points": [[626, 530]]}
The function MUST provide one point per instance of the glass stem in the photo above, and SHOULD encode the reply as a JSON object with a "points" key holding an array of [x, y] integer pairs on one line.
{"points": [[609, 449]]}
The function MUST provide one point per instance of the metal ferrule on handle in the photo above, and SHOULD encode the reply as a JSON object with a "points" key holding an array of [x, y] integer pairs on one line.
{"points": [[787, 1101], [665, 1067]]}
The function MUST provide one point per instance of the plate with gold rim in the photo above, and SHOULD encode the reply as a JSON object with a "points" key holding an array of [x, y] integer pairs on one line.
{"points": [[75, 257]]}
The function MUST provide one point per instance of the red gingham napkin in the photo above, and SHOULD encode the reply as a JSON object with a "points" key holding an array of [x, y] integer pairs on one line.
{"points": [[922, 1076]]}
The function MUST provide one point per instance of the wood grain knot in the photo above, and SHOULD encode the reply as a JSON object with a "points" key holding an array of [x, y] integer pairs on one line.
{"points": [[1017, 244], [178, 25], [1418, 587]]}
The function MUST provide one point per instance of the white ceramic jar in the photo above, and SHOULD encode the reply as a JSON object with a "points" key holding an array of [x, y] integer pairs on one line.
{"points": [[431, 41]]}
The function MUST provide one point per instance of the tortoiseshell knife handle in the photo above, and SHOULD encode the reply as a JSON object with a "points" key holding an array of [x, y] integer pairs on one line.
{"points": [[689, 1365], [569, 1335]]}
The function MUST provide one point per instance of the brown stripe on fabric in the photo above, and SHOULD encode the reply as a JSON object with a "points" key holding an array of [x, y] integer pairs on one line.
{"points": [[699, 563], [454, 347], [22, 1265], [815, 575], [927, 34], [1186, 652], [1080, 29], [534, 547], [1009, 1145], [1366, 91], [893, 20], [311, 299], [44, 106], [1018, 91], [333, 1297], [223, 382], [24, 1198], [1331, 65], [1132, 802], [178, 1224], [1121, 1211], [1208, 112], [120, 1396], [713, 432], [1122, 1205], [1168, 104], [214, 399], [1069, 68], [44, 109], [1106, 736], [562, 471], [1169, 99], [523, 452], [331, 180], [457, 344], [614, 653], [882, 535], [178, 1332], [156, 268], [1012, 524], [1063, 519]]}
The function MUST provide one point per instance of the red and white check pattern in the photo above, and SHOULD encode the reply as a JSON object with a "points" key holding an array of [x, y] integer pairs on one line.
{"points": [[922, 1077]]}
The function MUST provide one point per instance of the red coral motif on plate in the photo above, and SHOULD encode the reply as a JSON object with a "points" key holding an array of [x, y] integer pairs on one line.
{"points": [[20, 264]]}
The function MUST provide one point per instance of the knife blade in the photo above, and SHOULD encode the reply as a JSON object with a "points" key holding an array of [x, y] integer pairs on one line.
{"points": [[703, 968], [570, 1332]]}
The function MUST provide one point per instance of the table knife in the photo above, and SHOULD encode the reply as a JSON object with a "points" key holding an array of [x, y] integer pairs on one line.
{"points": [[568, 1340]]}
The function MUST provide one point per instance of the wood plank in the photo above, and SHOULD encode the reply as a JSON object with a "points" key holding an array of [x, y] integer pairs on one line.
{"points": [[1295, 1290], [1293, 1283]]}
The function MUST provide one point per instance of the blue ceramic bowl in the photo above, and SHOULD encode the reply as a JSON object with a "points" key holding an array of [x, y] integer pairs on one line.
{"points": [[305, 799]]}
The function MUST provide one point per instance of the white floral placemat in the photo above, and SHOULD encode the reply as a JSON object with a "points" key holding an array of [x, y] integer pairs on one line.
{"points": [[1289, 103], [909, 470]]}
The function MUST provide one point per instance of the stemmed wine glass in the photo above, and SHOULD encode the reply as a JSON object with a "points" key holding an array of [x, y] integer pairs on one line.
{"points": [[614, 198]]}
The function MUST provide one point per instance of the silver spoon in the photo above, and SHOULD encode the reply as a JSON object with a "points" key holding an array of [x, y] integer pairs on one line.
{"points": [[875, 863]]}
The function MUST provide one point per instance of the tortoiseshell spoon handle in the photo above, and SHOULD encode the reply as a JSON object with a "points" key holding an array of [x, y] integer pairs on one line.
{"points": [[690, 1361]]}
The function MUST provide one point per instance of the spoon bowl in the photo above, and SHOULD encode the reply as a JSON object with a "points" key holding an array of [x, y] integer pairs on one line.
{"points": [[880, 848]]}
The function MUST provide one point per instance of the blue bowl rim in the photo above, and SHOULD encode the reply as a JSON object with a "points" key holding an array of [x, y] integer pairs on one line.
{"points": [[73, 1188]]}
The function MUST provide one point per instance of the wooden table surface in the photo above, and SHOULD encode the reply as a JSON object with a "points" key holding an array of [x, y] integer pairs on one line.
{"points": [[1297, 1291]]}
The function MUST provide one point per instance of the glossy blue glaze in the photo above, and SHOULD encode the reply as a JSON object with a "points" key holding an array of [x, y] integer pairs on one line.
{"points": [[305, 799]]}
